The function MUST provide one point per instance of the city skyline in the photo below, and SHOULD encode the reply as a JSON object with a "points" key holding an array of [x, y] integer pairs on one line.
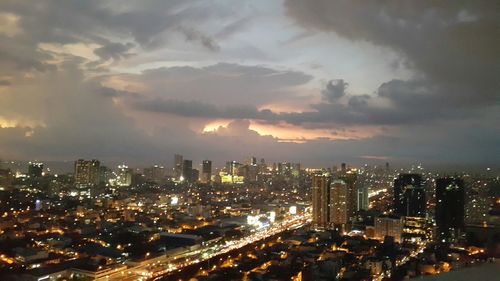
{"points": [[316, 82], [253, 140]]}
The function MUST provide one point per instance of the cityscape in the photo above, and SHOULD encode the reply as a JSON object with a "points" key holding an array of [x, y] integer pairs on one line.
{"points": [[249, 140], [248, 220]]}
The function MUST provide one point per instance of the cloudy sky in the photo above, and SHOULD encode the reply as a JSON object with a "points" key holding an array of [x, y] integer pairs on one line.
{"points": [[315, 81]]}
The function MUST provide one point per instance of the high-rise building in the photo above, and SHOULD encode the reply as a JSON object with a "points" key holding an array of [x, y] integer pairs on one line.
{"points": [[320, 200], [232, 168], [389, 226], [86, 173], [6, 178], [296, 169], [206, 171], [178, 161], [187, 171], [409, 196], [124, 177], [478, 203], [350, 178], [195, 175], [338, 203], [35, 169], [450, 201], [343, 167], [285, 169], [105, 174], [154, 173], [362, 203], [251, 161]]}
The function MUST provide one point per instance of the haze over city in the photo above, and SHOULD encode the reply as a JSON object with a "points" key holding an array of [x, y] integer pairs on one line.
{"points": [[309, 81]]}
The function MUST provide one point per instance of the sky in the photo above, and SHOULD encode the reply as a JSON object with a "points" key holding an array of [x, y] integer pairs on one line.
{"points": [[317, 82]]}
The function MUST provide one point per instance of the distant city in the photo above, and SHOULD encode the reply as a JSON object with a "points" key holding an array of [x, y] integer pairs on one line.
{"points": [[249, 220]]}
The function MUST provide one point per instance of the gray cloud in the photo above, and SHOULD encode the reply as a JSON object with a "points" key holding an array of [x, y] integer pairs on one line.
{"points": [[204, 110], [453, 44], [114, 51], [334, 90], [222, 83], [195, 35], [395, 102]]}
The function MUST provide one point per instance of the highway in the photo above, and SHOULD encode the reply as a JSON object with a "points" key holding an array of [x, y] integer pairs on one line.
{"points": [[157, 267]]}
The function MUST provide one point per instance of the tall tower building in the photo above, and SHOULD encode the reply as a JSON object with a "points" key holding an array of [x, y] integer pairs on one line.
{"points": [[409, 196], [450, 203], [206, 171], [187, 170], [320, 200], [350, 178], [338, 203], [86, 173], [363, 201], [178, 161]]}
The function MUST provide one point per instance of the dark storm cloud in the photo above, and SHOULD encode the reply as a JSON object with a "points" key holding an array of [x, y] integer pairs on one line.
{"points": [[204, 110], [395, 102], [452, 44]]}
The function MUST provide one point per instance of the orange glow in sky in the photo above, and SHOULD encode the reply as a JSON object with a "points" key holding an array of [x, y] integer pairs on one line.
{"points": [[291, 133]]}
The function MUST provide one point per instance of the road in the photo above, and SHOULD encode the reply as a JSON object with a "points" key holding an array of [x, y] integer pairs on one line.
{"points": [[157, 267]]}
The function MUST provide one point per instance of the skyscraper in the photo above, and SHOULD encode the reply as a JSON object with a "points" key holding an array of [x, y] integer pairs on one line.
{"points": [[124, 176], [206, 171], [338, 203], [178, 161], [362, 193], [86, 173], [343, 167], [187, 170], [409, 196], [350, 178], [320, 200], [450, 203]]}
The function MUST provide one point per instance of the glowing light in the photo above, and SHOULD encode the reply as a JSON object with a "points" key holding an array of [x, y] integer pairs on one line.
{"points": [[174, 200]]}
